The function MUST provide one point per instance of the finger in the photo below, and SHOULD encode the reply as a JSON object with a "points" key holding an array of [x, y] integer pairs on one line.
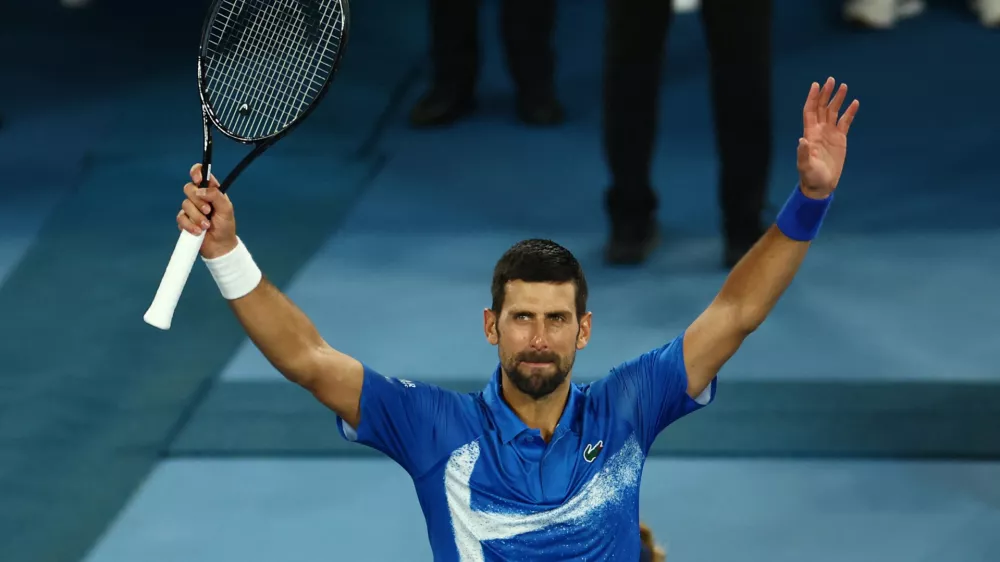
{"points": [[811, 106], [824, 100], [184, 223], [221, 205], [845, 121], [194, 215], [196, 175], [833, 110], [802, 154], [196, 195]]}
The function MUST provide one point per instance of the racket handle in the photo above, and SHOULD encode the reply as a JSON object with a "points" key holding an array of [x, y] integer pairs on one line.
{"points": [[161, 312]]}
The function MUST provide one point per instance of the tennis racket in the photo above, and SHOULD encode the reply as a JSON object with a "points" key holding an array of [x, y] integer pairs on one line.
{"points": [[264, 66]]}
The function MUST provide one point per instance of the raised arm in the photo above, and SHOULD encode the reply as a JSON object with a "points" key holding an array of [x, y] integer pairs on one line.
{"points": [[761, 277], [282, 332]]}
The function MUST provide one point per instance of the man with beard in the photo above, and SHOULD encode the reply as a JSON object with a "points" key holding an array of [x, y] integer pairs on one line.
{"points": [[534, 466]]}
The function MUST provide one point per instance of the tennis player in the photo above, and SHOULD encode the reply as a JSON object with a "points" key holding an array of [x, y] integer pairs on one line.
{"points": [[534, 467]]}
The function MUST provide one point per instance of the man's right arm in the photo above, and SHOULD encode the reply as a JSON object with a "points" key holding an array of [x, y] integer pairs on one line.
{"points": [[415, 424], [282, 332], [290, 341]]}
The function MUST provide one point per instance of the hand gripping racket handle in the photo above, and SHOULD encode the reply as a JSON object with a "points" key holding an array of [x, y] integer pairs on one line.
{"points": [[161, 312]]}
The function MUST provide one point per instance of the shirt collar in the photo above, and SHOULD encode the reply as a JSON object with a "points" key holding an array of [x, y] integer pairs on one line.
{"points": [[511, 426]]}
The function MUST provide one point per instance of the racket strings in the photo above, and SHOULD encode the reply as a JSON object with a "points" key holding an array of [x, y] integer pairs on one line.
{"points": [[266, 61], [285, 28]]}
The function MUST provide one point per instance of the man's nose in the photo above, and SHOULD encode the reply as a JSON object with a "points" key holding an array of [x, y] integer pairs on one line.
{"points": [[538, 341]]}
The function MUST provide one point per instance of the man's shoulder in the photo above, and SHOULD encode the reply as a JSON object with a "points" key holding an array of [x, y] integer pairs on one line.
{"points": [[417, 385], [467, 402], [642, 363], [441, 401], [596, 388]]}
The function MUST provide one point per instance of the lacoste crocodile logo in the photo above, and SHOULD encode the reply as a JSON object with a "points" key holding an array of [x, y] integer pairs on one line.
{"points": [[591, 451]]}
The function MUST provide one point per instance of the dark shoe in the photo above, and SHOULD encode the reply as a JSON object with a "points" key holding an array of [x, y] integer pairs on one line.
{"points": [[634, 232], [632, 242], [442, 106], [540, 112]]}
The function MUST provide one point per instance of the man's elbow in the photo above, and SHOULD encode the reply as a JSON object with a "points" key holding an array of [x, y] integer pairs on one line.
{"points": [[303, 369], [749, 319], [739, 319]]}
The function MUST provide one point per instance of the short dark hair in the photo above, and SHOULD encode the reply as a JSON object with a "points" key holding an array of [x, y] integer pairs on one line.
{"points": [[538, 261]]}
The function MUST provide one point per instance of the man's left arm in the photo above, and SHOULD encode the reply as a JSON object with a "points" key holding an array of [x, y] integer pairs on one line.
{"points": [[761, 277]]}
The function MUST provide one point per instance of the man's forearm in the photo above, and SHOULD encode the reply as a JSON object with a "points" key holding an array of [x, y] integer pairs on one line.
{"points": [[279, 329], [282, 332], [761, 277]]}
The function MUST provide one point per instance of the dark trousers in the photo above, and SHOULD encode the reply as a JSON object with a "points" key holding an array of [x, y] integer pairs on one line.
{"points": [[739, 42], [526, 29]]}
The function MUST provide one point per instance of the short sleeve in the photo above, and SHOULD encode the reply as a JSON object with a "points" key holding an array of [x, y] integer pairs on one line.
{"points": [[651, 390], [413, 423]]}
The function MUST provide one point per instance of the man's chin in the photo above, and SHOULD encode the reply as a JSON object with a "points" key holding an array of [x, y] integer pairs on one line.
{"points": [[537, 382], [537, 391]]}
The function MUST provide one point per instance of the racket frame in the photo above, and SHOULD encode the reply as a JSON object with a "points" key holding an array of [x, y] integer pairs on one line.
{"points": [[209, 118], [160, 313]]}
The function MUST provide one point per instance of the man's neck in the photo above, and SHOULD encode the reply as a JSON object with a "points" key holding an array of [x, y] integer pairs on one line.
{"points": [[542, 414]]}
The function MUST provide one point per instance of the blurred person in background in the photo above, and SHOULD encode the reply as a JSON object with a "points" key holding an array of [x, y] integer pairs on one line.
{"points": [[884, 14], [526, 28], [739, 43]]}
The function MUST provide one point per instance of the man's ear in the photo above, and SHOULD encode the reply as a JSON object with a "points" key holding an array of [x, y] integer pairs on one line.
{"points": [[490, 327], [583, 335]]}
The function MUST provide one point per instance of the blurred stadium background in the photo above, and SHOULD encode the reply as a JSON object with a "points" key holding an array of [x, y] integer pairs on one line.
{"points": [[861, 422]]}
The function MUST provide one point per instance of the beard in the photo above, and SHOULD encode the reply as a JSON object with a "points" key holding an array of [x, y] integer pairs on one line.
{"points": [[534, 381]]}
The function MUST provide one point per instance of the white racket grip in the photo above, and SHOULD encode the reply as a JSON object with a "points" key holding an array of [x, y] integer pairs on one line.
{"points": [[161, 312]]}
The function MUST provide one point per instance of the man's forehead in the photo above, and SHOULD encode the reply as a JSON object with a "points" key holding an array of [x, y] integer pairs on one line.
{"points": [[542, 294]]}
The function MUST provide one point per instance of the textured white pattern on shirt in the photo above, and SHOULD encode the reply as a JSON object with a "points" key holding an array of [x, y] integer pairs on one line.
{"points": [[604, 491]]}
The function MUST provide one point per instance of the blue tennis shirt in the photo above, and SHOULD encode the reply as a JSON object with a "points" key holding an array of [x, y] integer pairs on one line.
{"points": [[492, 489]]}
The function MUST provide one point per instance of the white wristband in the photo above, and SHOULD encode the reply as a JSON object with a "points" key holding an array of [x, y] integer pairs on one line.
{"points": [[235, 273]]}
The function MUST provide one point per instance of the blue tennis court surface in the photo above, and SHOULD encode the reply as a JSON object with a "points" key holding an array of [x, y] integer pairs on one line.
{"points": [[758, 511], [134, 444]]}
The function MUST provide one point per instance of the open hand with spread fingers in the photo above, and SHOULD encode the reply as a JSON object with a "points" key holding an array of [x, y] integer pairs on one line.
{"points": [[823, 146]]}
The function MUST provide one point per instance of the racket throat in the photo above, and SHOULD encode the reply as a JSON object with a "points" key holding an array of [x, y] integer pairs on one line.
{"points": [[258, 149]]}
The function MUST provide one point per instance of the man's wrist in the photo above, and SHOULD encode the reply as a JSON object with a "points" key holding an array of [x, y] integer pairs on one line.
{"points": [[813, 193], [802, 216], [217, 252], [235, 272]]}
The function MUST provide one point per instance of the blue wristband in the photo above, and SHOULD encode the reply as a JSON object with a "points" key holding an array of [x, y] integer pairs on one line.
{"points": [[802, 216]]}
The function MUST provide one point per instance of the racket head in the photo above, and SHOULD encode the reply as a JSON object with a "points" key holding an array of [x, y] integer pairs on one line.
{"points": [[264, 65]]}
